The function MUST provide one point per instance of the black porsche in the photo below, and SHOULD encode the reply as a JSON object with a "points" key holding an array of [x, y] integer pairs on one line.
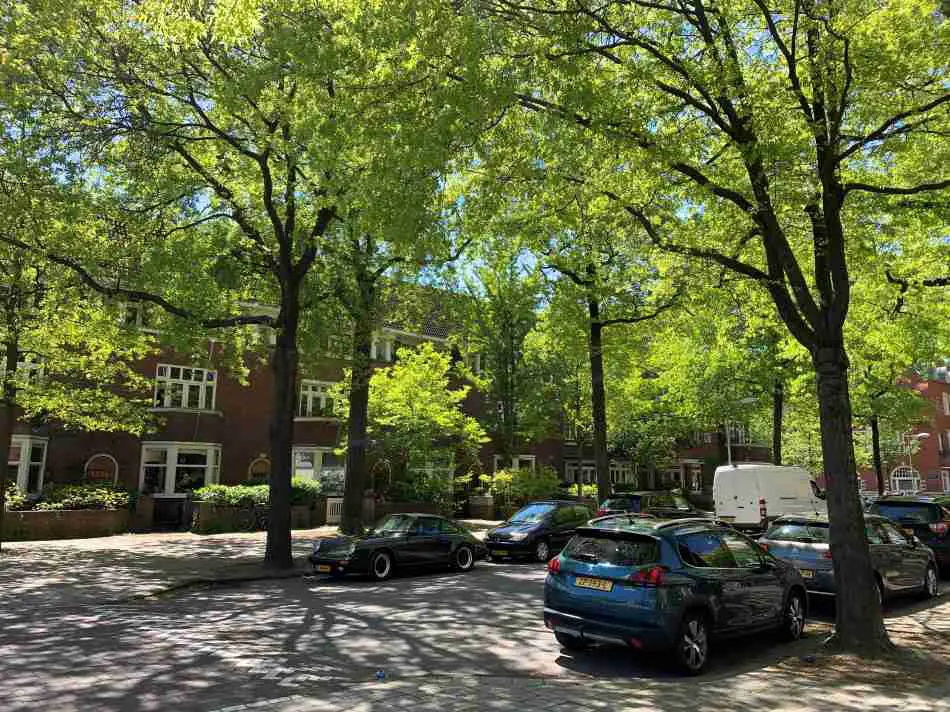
{"points": [[399, 541]]}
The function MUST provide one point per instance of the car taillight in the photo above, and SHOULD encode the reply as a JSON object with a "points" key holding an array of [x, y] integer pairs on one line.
{"points": [[554, 565], [826, 555], [940, 528], [648, 577], [764, 547], [601, 512]]}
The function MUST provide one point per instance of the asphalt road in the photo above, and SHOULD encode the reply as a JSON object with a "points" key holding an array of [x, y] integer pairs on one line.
{"points": [[221, 647]]}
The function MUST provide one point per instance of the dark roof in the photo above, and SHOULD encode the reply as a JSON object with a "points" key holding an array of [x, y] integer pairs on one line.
{"points": [[424, 310]]}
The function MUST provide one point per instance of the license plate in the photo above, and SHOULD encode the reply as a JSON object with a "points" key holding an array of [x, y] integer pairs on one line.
{"points": [[596, 584], [807, 573], [499, 552], [324, 569]]}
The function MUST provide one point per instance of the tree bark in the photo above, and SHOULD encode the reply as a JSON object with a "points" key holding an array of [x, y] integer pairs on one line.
{"points": [[279, 552], [876, 451], [598, 399], [859, 623], [357, 425], [778, 408], [7, 418]]}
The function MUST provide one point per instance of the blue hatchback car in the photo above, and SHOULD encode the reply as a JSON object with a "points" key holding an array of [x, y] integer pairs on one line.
{"points": [[668, 584]]}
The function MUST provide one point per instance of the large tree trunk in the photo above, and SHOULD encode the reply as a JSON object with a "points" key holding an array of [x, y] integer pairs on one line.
{"points": [[778, 408], [279, 551], [859, 623], [876, 450], [357, 425], [7, 421], [598, 399]]}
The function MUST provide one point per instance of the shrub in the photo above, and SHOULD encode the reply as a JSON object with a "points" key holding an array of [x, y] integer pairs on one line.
{"points": [[520, 486], [58, 497], [16, 498], [580, 490], [302, 492]]}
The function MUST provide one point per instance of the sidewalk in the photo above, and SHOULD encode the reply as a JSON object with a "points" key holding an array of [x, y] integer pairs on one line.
{"points": [[116, 568]]}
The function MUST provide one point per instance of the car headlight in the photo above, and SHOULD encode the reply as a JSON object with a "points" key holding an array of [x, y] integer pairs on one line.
{"points": [[520, 536]]}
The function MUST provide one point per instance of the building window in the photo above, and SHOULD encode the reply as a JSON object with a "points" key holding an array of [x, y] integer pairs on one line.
{"points": [[135, 315], [26, 462], [315, 400], [518, 462], [905, 480], [584, 473], [382, 349], [945, 479], [946, 403], [184, 387], [102, 468], [620, 472], [739, 434], [29, 370], [259, 469], [178, 468], [323, 465]]}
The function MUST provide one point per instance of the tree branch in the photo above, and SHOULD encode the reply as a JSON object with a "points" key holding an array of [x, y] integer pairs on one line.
{"points": [[893, 190]]}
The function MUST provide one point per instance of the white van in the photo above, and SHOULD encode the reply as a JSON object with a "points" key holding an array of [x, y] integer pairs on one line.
{"points": [[750, 494]]}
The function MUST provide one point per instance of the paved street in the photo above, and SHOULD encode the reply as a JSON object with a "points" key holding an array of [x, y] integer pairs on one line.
{"points": [[444, 641]]}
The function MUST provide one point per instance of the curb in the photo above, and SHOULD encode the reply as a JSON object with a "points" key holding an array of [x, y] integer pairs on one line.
{"points": [[198, 581]]}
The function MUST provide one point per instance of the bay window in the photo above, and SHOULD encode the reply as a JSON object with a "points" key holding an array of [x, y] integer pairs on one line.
{"points": [[185, 387], [177, 468], [315, 400]]}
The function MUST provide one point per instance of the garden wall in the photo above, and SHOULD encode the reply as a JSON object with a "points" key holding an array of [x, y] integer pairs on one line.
{"points": [[211, 518], [64, 524]]}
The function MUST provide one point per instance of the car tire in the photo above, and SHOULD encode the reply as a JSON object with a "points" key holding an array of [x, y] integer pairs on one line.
{"points": [[692, 643], [381, 565], [571, 642], [931, 588], [542, 551], [793, 619], [464, 558]]}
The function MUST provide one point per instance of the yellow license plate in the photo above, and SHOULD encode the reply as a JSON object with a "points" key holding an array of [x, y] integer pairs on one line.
{"points": [[807, 573], [324, 569], [499, 552], [596, 584]]}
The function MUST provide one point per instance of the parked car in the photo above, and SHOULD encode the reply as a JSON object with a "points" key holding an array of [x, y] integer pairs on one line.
{"points": [[925, 516], [748, 495], [397, 541], [901, 564], [670, 584], [537, 530], [663, 504]]}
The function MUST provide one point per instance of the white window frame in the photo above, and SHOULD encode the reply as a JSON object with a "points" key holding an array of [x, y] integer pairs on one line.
{"points": [[904, 475], [621, 472], [164, 376], [584, 472], [381, 348], [317, 451], [133, 316], [946, 402], [172, 449], [739, 434], [25, 444], [945, 478], [29, 370], [514, 463], [310, 391]]}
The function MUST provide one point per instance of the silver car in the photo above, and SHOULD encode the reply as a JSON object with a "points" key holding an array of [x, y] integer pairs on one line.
{"points": [[902, 564]]}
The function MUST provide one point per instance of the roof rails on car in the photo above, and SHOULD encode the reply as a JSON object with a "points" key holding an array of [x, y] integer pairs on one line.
{"points": [[690, 520]]}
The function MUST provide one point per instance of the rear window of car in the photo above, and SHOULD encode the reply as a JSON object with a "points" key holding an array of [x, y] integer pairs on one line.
{"points": [[630, 503], [804, 532], [917, 512], [625, 551]]}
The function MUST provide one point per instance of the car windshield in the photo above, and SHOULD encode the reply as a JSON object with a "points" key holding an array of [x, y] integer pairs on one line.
{"points": [[804, 532], [629, 503], [394, 523], [916, 512], [635, 551], [532, 513]]}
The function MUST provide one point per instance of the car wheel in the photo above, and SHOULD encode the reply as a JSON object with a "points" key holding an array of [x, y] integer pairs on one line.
{"points": [[464, 559], [793, 622], [571, 642], [542, 550], [692, 643], [381, 565], [931, 586]]}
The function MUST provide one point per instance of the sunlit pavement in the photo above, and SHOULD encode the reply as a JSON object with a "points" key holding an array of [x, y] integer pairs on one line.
{"points": [[436, 641]]}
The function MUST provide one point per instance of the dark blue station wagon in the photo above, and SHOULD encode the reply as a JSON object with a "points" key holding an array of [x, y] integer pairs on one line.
{"points": [[668, 584]]}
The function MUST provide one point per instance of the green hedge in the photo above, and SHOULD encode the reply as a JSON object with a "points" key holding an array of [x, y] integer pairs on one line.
{"points": [[57, 497], [301, 492]]}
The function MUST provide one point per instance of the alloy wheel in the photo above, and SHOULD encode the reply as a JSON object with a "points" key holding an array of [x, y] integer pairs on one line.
{"points": [[542, 552], [694, 645], [382, 566], [464, 559], [795, 617], [931, 587]]}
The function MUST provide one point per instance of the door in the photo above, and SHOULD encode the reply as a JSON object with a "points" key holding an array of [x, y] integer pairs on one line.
{"points": [[763, 587], [422, 545], [911, 559], [884, 557], [712, 565]]}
